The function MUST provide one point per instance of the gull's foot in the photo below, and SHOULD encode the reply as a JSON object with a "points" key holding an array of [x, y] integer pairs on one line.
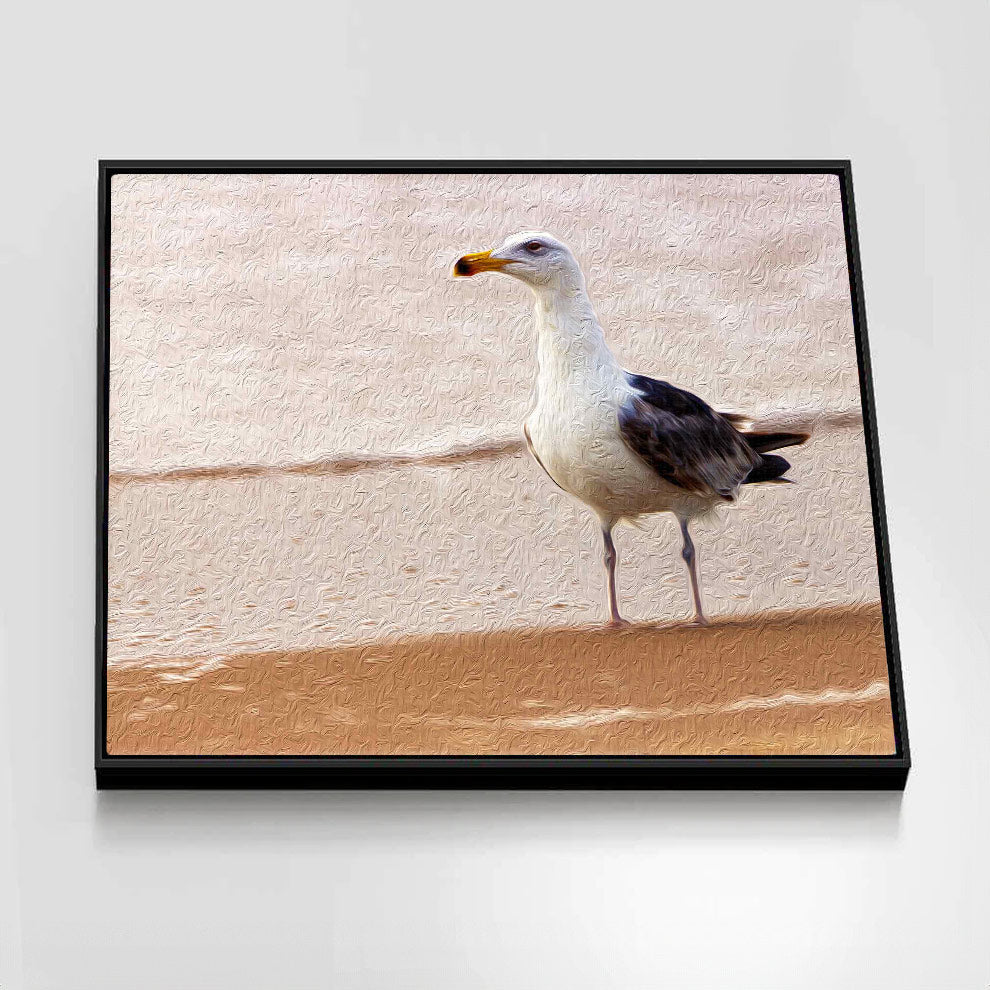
{"points": [[698, 620], [617, 623]]}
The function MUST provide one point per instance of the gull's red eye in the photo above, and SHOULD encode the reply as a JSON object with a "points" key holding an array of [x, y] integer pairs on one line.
{"points": [[533, 246]]}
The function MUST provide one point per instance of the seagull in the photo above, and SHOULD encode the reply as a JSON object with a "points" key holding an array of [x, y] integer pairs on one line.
{"points": [[623, 444]]}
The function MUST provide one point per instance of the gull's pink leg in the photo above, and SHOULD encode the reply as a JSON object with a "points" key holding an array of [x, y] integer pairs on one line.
{"points": [[611, 558], [691, 559]]}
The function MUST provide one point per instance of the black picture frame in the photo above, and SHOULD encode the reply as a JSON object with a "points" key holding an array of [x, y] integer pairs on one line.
{"points": [[674, 772]]}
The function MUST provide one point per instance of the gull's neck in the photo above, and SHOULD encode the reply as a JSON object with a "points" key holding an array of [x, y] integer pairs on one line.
{"points": [[570, 340]]}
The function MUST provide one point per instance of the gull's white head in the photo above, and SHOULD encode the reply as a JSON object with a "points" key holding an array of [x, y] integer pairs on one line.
{"points": [[533, 257]]}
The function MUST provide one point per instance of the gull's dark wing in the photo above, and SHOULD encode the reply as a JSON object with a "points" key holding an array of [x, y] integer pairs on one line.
{"points": [[683, 439]]}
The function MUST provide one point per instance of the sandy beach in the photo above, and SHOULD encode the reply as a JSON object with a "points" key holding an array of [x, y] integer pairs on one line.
{"points": [[325, 535], [799, 682], [209, 566]]}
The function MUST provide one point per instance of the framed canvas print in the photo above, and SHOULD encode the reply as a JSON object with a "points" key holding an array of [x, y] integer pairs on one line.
{"points": [[521, 474]]}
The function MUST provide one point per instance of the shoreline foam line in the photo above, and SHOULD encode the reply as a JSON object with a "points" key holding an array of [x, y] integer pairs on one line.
{"points": [[602, 716], [343, 464]]}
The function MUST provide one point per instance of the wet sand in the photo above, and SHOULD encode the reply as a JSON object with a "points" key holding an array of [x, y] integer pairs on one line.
{"points": [[801, 682], [247, 565]]}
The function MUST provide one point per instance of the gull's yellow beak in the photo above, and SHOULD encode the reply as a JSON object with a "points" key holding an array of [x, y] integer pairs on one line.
{"points": [[471, 264]]}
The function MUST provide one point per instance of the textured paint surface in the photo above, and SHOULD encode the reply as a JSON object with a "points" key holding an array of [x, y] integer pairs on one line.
{"points": [[757, 688], [320, 503]]}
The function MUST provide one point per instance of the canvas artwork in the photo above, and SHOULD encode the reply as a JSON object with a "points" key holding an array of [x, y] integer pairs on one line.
{"points": [[529, 463]]}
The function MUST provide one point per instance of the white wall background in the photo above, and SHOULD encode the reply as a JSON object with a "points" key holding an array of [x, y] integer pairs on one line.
{"points": [[550, 890]]}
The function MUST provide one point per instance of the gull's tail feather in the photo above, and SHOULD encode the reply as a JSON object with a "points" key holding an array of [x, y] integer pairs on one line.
{"points": [[770, 468], [764, 442]]}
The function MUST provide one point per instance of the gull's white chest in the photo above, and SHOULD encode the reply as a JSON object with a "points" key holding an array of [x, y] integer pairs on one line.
{"points": [[573, 427], [574, 432]]}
